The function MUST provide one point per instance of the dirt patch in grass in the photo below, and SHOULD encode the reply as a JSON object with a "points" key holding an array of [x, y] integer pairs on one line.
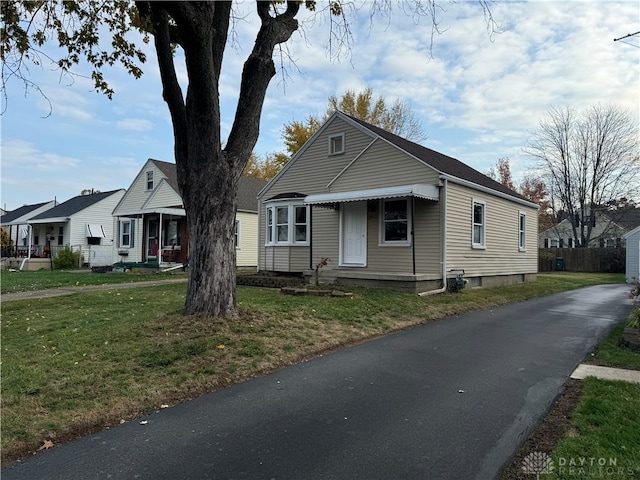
{"points": [[555, 427]]}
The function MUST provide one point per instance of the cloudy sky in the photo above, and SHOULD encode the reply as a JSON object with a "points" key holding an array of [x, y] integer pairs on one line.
{"points": [[479, 96]]}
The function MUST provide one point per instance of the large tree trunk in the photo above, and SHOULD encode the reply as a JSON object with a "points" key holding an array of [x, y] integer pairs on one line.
{"points": [[211, 210], [207, 174]]}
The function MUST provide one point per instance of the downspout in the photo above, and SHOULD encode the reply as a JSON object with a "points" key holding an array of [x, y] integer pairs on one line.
{"points": [[443, 239]]}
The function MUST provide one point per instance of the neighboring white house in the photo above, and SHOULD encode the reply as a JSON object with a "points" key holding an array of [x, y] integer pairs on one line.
{"points": [[151, 226], [391, 213], [608, 230], [83, 223], [633, 255], [15, 223]]}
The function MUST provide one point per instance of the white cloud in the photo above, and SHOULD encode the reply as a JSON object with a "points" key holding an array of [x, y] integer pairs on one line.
{"points": [[478, 98], [134, 124]]}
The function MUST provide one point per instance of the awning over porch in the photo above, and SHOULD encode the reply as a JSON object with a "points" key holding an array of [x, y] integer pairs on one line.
{"points": [[95, 231], [428, 192]]}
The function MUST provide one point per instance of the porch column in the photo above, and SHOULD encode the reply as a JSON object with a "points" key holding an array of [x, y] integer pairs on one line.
{"points": [[160, 243]]}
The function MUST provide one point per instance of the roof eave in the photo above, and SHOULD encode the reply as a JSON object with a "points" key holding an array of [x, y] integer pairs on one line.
{"points": [[488, 190]]}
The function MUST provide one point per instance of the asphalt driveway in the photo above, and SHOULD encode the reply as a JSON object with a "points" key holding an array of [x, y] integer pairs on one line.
{"points": [[448, 400]]}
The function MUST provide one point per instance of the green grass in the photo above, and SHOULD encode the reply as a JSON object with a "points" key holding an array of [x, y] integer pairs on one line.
{"points": [[76, 364], [609, 354], [605, 428], [23, 281]]}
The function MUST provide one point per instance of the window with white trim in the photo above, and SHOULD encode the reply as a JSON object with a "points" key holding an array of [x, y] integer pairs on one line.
{"points": [[237, 234], [300, 223], [125, 233], [150, 180], [269, 236], [282, 224], [336, 144], [287, 223], [479, 224], [522, 224], [554, 243], [394, 228]]}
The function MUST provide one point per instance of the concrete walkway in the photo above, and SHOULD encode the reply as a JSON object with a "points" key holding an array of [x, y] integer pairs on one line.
{"points": [[606, 373], [58, 292]]}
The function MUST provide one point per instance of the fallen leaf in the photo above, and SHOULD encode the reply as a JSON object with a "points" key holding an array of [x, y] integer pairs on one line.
{"points": [[164, 405], [46, 445], [144, 422]]}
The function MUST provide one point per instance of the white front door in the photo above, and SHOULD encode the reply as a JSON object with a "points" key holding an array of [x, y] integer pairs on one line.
{"points": [[353, 242]]}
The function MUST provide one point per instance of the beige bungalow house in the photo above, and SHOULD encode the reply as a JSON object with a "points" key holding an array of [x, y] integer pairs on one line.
{"points": [[390, 213], [151, 226]]}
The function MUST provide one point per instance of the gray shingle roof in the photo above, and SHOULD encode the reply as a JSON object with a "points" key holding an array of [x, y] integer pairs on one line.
{"points": [[248, 188], [169, 169], [19, 212], [440, 162], [74, 205]]}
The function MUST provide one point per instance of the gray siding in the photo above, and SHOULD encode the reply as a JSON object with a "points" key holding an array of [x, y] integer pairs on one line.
{"points": [[383, 165], [633, 255], [310, 173], [501, 255]]}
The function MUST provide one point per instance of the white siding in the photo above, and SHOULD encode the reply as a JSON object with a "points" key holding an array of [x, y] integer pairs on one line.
{"points": [[134, 254], [137, 194], [98, 213], [163, 196]]}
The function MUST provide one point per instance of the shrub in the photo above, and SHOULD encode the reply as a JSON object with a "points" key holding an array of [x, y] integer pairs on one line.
{"points": [[66, 259], [634, 319]]}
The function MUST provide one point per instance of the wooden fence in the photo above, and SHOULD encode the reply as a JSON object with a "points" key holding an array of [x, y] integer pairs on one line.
{"points": [[602, 260]]}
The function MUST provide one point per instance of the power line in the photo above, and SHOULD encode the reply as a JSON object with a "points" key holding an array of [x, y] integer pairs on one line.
{"points": [[621, 39]]}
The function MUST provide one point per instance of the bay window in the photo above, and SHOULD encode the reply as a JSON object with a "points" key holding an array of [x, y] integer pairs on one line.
{"points": [[287, 223]]}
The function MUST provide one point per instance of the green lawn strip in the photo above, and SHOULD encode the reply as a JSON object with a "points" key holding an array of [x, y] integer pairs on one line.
{"points": [[75, 364], [23, 281], [604, 441], [609, 354]]}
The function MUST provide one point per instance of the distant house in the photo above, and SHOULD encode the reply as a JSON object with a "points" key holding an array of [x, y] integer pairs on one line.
{"points": [[391, 213], [83, 223], [151, 226], [16, 225], [608, 230]]}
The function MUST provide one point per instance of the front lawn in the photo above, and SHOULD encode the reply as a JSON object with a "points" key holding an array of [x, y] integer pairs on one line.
{"points": [[76, 364]]}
